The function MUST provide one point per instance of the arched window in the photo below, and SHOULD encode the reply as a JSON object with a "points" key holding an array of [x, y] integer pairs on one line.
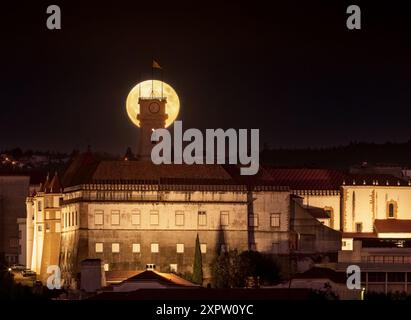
{"points": [[391, 210]]}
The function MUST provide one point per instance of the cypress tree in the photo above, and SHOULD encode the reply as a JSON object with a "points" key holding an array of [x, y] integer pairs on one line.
{"points": [[198, 264]]}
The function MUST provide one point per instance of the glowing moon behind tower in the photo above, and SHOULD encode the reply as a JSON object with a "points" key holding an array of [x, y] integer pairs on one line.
{"points": [[144, 88]]}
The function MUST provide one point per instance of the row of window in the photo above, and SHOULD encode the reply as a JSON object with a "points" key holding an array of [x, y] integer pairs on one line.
{"points": [[155, 247], [180, 218], [388, 259], [71, 219], [136, 248]]}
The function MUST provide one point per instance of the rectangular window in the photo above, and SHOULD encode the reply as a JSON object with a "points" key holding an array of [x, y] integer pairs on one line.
{"points": [[115, 217], [58, 215], [98, 217], [202, 218], [13, 242], [224, 218], [58, 227], [106, 267], [253, 220], [99, 247], [154, 248], [135, 217], [115, 247], [180, 248], [39, 206], [154, 220], [47, 215], [136, 248], [203, 248], [275, 220], [173, 267], [358, 227], [179, 218], [39, 228], [47, 227]]}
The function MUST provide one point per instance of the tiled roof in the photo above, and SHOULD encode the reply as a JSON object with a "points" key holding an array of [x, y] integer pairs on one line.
{"points": [[323, 273], [166, 278], [146, 170], [375, 179], [392, 226], [359, 235], [318, 213], [55, 185], [306, 179]]}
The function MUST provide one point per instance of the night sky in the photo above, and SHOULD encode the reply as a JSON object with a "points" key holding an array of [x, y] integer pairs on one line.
{"points": [[292, 70]]}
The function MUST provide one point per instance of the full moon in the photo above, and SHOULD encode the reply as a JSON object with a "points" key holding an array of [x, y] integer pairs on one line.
{"points": [[144, 88]]}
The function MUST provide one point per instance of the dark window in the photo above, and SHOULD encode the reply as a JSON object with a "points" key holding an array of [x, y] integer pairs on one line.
{"points": [[376, 277], [391, 210], [396, 276], [358, 227]]}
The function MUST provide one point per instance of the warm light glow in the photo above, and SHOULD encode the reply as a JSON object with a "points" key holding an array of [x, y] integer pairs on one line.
{"points": [[173, 103]]}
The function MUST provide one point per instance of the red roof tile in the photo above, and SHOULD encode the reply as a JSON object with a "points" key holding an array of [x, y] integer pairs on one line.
{"points": [[359, 235], [306, 179], [392, 226]]}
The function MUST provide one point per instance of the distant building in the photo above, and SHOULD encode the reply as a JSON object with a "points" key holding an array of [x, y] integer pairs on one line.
{"points": [[13, 192]]}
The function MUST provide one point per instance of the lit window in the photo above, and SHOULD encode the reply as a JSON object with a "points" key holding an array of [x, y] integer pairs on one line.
{"points": [[58, 227], [173, 267], [224, 218], [154, 218], [154, 248], [115, 217], [58, 215], [203, 248], [136, 248], [106, 267], [179, 218], [253, 220], [99, 247], [115, 247], [47, 214], [135, 218], [180, 248], [275, 220], [202, 218], [98, 217]]}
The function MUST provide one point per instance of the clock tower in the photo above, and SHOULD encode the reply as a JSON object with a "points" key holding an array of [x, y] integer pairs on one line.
{"points": [[152, 116]]}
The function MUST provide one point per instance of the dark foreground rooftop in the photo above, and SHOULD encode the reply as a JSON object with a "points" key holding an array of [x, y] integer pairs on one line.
{"points": [[207, 294]]}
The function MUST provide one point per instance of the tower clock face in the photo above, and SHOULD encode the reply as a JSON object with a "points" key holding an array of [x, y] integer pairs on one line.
{"points": [[154, 107]]}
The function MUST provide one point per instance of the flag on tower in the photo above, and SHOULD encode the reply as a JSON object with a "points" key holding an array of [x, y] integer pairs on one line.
{"points": [[156, 65]]}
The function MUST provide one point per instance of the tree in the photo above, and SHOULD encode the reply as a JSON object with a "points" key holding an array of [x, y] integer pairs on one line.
{"points": [[231, 269], [198, 264]]}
